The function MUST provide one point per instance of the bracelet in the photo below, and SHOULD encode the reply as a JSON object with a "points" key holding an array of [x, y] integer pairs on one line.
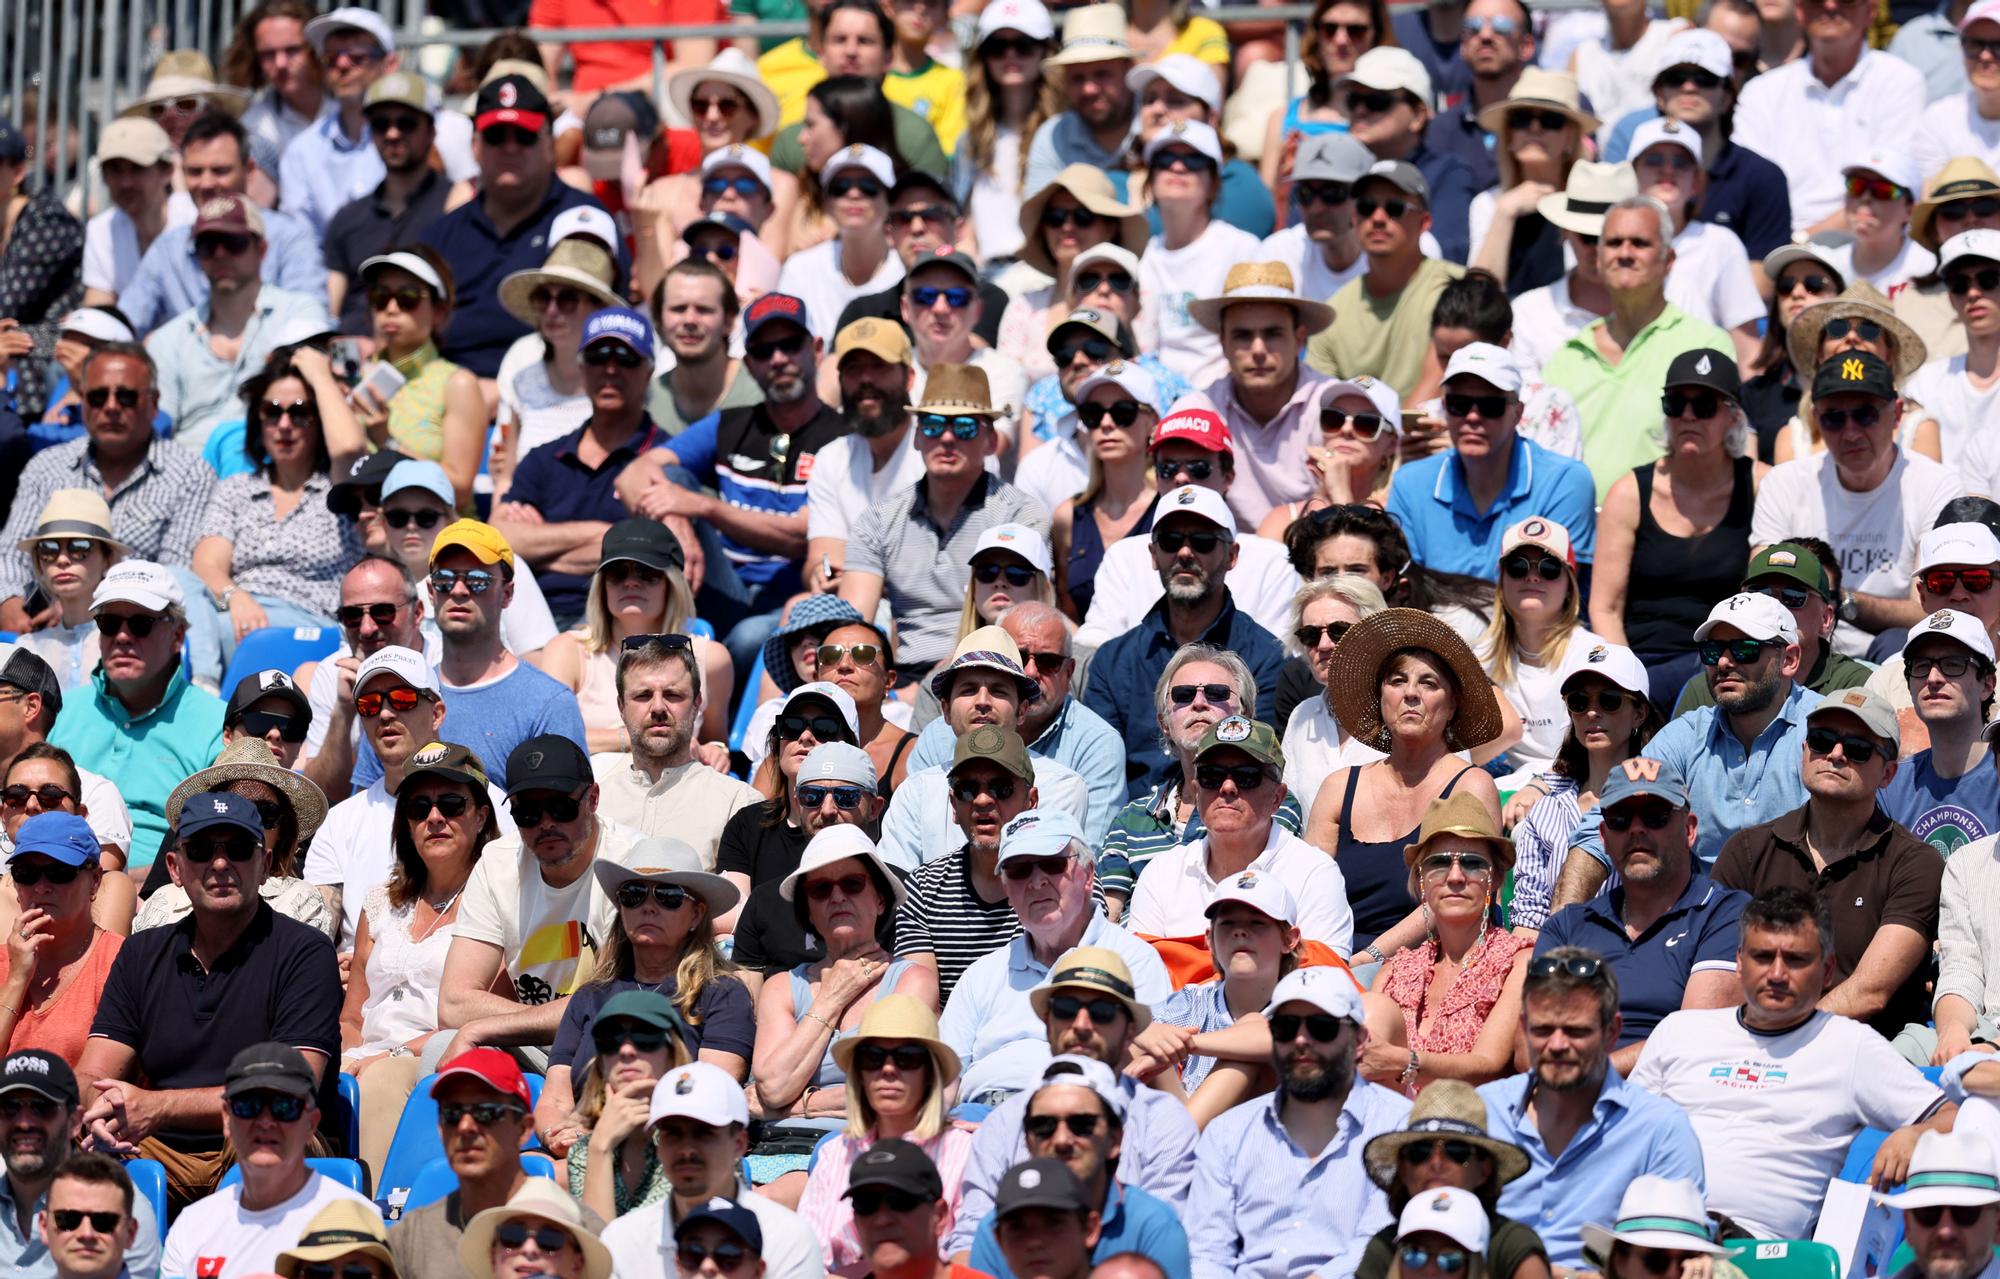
{"points": [[822, 1021], [1410, 1071], [1372, 949]]}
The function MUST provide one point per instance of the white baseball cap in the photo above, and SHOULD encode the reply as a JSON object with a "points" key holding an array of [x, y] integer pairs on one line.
{"points": [[860, 156], [1900, 167], [1262, 892], [1374, 390], [593, 222], [1029, 17], [701, 1092], [1331, 990], [1110, 251], [1389, 68], [1073, 1070], [1127, 375], [140, 582], [406, 664], [1757, 616], [1456, 1214], [842, 700], [1193, 499], [1187, 133], [1979, 243], [410, 262], [96, 322], [1489, 363], [1956, 625], [1613, 662], [1984, 11], [836, 844], [738, 156], [1017, 539], [360, 19], [1697, 47], [1967, 543], [1660, 130], [1186, 73], [836, 762]]}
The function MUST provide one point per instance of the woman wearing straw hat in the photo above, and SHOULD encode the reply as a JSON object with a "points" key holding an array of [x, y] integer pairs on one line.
{"points": [[1445, 1147], [182, 86], [727, 105], [900, 1078], [1662, 1229], [1077, 211], [1541, 131], [541, 378], [538, 1232], [1406, 685], [70, 547], [1858, 320], [345, 1240]]}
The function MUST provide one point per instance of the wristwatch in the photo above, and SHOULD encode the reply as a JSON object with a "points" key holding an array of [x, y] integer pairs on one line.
{"points": [[1849, 610], [222, 599]]}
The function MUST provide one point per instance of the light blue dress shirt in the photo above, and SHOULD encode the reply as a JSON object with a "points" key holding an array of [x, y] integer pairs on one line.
{"points": [[170, 281], [1261, 1208], [198, 388], [25, 1256], [1630, 1133], [990, 1024], [323, 170], [1077, 738]]}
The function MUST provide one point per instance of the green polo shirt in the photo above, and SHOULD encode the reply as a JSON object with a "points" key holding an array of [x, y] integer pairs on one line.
{"points": [[146, 755], [1385, 337], [1620, 404]]}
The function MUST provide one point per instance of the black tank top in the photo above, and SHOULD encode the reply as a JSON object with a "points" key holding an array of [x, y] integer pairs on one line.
{"points": [[1086, 550], [1676, 580], [1378, 884]]}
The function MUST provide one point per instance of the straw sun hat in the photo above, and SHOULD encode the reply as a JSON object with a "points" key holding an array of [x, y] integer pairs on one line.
{"points": [[75, 513], [538, 1198], [1448, 1110], [1091, 189], [899, 1017], [250, 759], [1355, 686], [573, 263], [1859, 301], [1260, 282], [187, 73]]}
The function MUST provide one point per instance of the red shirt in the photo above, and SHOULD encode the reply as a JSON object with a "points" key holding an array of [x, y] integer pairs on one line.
{"points": [[599, 65]]}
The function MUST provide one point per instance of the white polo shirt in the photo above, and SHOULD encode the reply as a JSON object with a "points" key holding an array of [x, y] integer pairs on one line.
{"points": [[1262, 584], [1810, 129], [1172, 896], [1953, 127], [1545, 319]]}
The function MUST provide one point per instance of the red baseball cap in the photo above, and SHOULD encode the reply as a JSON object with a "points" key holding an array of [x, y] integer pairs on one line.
{"points": [[492, 1067], [1196, 426]]}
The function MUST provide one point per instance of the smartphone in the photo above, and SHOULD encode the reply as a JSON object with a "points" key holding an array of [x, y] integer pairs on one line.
{"points": [[382, 381], [344, 354], [1413, 421]]}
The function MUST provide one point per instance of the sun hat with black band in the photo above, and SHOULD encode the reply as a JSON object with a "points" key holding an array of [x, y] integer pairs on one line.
{"points": [[1858, 301], [896, 1016], [72, 513], [1090, 188], [1656, 1212], [1355, 687], [663, 860], [1964, 177], [250, 759], [344, 1226], [1588, 194], [1092, 970], [1447, 1110]]}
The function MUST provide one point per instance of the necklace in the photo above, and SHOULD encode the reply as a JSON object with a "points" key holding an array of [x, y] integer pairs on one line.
{"points": [[438, 914]]}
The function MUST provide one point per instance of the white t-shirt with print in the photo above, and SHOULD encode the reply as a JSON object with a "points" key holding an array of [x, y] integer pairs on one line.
{"points": [[1536, 692], [549, 935], [218, 1238], [1874, 534], [1173, 278]]}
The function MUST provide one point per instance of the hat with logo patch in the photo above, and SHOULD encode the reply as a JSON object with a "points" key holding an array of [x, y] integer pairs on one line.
{"points": [[1254, 738], [269, 1067], [1039, 1183], [450, 761], [773, 308], [1331, 157], [1128, 376], [511, 99], [1872, 709], [1456, 1214], [949, 258], [1002, 746], [619, 324], [1963, 544], [399, 89], [1194, 499], [1102, 323], [731, 1216], [832, 694], [701, 1092], [1792, 561], [1854, 373], [1401, 174], [1040, 832], [367, 476], [1706, 368], [1261, 891], [218, 809], [1196, 426], [1493, 365], [257, 687], [836, 762], [1019, 540], [1758, 617], [860, 155], [897, 1165], [1192, 134], [1956, 625], [1642, 778], [1981, 244], [1665, 131], [230, 214], [1611, 662], [548, 762], [39, 1071], [1541, 534], [1377, 392], [1331, 990], [60, 837]]}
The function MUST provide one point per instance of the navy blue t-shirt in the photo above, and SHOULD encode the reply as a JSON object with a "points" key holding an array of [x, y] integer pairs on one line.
{"points": [[1945, 812]]}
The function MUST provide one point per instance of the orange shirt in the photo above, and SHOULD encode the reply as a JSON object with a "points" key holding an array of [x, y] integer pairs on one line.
{"points": [[64, 1026], [612, 62]]}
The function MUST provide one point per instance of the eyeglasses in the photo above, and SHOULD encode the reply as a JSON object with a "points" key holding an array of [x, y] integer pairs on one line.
{"points": [[1548, 567], [1328, 193], [1444, 1260], [369, 705], [515, 1234], [873, 1199], [967, 789], [632, 894], [406, 299], [763, 351], [1092, 281], [291, 728], [1985, 206], [350, 615], [1374, 102], [1581, 967], [207, 246], [1248, 777], [1530, 118], [484, 1113], [1860, 187], [1701, 404], [933, 214], [1367, 426], [1309, 636], [1652, 817], [97, 396], [1840, 326], [140, 624], [1475, 865], [1858, 749], [825, 728], [1823, 284], [418, 808], [1962, 1215], [869, 188], [1094, 414], [1201, 541], [1960, 282], [1323, 1027], [401, 518], [1951, 667], [726, 106], [963, 427], [1741, 651], [956, 296], [845, 798], [1017, 575], [1605, 699], [39, 1107], [556, 808], [863, 654], [1487, 406], [55, 875], [1020, 869], [1940, 581], [604, 353], [69, 1220], [1422, 1152], [908, 1057], [1019, 46], [48, 795], [1180, 158], [609, 1039], [1097, 349], [477, 581], [850, 886], [1043, 1127], [508, 135], [1197, 469], [283, 1107], [237, 848], [1213, 694], [1102, 1009], [1699, 77], [1395, 206], [726, 1255], [1355, 31]]}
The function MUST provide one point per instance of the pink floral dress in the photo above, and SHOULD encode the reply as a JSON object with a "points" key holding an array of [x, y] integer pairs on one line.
{"points": [[1459, 1017]]}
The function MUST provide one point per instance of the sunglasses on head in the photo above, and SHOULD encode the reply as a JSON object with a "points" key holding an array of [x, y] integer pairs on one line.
{"points": [[1395, 206], [1605, 699], [1248, 777], [484, 1113], [1213, 694], [1422, 1152], [1102, 1009], [1840, 326], [1202, 541], [283, 1107], [1962, 1215], [48, 795], [418, 808], [1323, 1027], [1019, 45], [727, 1255], [69, 1220], [1581, 967], [1530, 118], [967, 789], [98, 396], [55, 874], [477, 581], [609, 1039], [1309, 636], [825, 728], [1197, 469], [1309, 194], [369, 705], [1548, 567], [845, 798], [1097, 349], [532, 812], [508, 135], [1487, 406], [1858, 749], [515, 1234], [1017, 575], [1043, 1127], [1741, 651], [1960, 282], [140, 624], [870, 1200], [1941, 581], [1092, 281], [909, 1058], [1020, 869], [763, 351], [290, 728], [1699, 404], [1861, 187], [1812, 283], [869, 188], [1367, 426], [1840, 419], [963, 427], [1652, 817], [603, 353]]}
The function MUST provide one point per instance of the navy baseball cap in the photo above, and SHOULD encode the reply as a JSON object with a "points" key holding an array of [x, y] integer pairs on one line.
{"points": [[771, 308], [1640, 777], [13, 146], [618, 324], [218, 808], [62, 837], [731, 1216]]}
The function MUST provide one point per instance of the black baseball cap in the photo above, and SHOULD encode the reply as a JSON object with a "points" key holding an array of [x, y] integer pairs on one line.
{"points": [[40, 1072], [899, 1165], [1708, 368], [1970, 510], [26, 670], [919, 178], [262, 684], [1855, 373], [511, 99], [548, 762], [269, 1067], [1039, 1183], [365, 479], [642, 541]]}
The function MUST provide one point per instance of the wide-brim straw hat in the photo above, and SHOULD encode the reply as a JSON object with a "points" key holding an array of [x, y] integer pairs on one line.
{"points": [[187, 73], [1965, 177], [956, 389], [539, 1198], [1553, 90], [1448, 1110], [1858, 301], [733, 68], [74, 513], [900, 1017], [250, 759], [574, 263], [1355, 687], [1091, 189], [1260, 282]]}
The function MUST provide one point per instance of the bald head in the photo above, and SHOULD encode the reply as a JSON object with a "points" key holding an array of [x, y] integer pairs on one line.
{"points": [[1042, 634]]}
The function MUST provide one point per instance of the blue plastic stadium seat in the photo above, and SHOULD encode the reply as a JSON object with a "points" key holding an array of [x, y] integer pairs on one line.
{"points": [[350, 1119], [417, 1143], [700, 629], [437, 1180], [149, 1180], [283, 648], [348, 1172]]}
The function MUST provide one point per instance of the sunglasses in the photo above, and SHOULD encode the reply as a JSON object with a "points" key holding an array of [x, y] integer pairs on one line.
{"points": [[726, 1255], [606, 352], [1182, 159], [1444, 1260], [1960, 282], [863, 654], [909, 1058], [484, 1113], [1605, 699], [477, 581], [207, 246], [1654, 1261], [1985, 206], [726, 106], [956, 296], [1792, 597], [1858, 749], [1480, 26], [283, 1108], [1047, 661], [1374, 102], [1581, 967], [1213, 694], [1017, 575], [1202, 541], [68, 1220], [1839, 419], [1367, 426], [98, 396], [39, 1107], [1487, 406], [406, 299], [1422, 1152], [48, 795], [1097, 349], [1043, 1127], [1248, 777], [845, 798], [1699, 77], [297, 411], [1940, 581], [1022, 868], [555, 808], [327, 1270], [369, 705], [1741, 651], [1652, 817], [850, 886], [402, 518], [967, 789], [1309, 636], [1951, 667], [515, 1235], [964, 428], [1840, 326], [934, 214], [825, 728], [609, 1039], [1548, 567], [418, 808], [350, 615], [1529, 118], [290, 728], [1323, 1027], [1475, 865], [763, 351], [185, 106], [1092, 281], [870, 188], [508, 135], [872, 1199], [1395, 206], [1865, 188], [632, 894], [57, 876], [1355, 31], [1816, 283], [383, 122], [1102, 1010], [1197, 469], [1702, 404], [1019, 46], [1962, 1215], [140, 624], [1120, 412], [1328, 193], [236, 848]]}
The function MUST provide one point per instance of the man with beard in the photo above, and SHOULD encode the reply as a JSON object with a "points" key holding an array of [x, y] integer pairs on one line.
{"points": [[1194, 547], [1822, 1077], [694, 310], [1103, 110], [656, 786], [1587, 1132], [38, 1105], [1667, 929], [1496, 41], [1950, 1217], [1279, 1184], [874, 463], [1740, 760], [409, 198]]}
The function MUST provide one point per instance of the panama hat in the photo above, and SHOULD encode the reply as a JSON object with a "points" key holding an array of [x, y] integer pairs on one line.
{"points": [[1466, 816], [1858, 301], [1656, 1212], [574, 263], [735, 69], [1947, 1169], [1355, 688], [539, 1198], [1450, 1110], [1965, 177], [662, 860], [1091, 189], [1588, 195], [74, 513], [186, 73], [1554, 90], [955, 389], [899, 1017], [342, 1227], [1092, 968], [1260, 282], [250, 759]]}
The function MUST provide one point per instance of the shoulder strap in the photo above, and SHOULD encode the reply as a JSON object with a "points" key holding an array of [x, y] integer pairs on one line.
{"points": [[1347, 800], [1446, 792]]}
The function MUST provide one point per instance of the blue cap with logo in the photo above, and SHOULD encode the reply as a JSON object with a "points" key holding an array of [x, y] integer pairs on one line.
{"points": [[61, 837], [619, 324], [219, 808], [731, 1216], [1640, 777]]}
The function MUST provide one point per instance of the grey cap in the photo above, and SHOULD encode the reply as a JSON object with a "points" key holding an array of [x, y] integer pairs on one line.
{"points": [[1404, 176], [1331, 157], [1872, 709]]}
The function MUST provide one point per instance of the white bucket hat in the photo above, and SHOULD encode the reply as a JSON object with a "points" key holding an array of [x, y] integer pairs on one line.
{"points": [[1657, 1212], [1947, 1169]]}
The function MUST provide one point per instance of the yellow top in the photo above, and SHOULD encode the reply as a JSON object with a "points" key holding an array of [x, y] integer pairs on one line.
{"points": [[937, 95], [416, 412], [790, 71], [1205, 39]]}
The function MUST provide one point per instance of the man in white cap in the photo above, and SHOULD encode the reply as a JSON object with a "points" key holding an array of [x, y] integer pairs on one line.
{"points": [[1098, 125], [1711, 277], [1879, 881], [1457, 507], [1949, 793], [1389, 101], [1279, 1184], [1955, 562], [335, 161], [1958, 391], [1741, 759], [1948, 1204], [136, 158], [1778, 1088], [1323, 248]]}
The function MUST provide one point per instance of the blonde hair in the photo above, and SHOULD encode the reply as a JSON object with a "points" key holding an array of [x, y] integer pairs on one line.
{"points": [[930, 1115], [982, 105], [699, 963], [1362, 595], [590, 1095], [1501, 641], [673, 619], [968, 617], [1094, 483]]}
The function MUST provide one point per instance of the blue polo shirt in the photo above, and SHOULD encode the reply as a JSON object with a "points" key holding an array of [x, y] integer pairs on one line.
{"points": [[1132, 1221], [1697, 935], [1447, 532], [562, 486], [1123, 674], [1630, 1133], [481, 256], [148, 754], [1456, 132]]}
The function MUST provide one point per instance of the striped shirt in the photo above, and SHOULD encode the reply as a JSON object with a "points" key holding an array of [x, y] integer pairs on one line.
{"points": [[945, 916], [156, 512], [1147, 826], [1200, 1008], [1541, 843]]}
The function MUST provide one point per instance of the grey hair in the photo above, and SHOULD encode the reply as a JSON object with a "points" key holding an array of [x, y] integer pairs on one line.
{"points": [[1356, 590], [129, 351], [1654, 205], [1033, 612], [1239, 675], [1735, 441]]}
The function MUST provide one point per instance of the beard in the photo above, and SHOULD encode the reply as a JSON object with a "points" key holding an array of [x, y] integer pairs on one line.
{"points": [[1757, 697], [894, 409], [1317, 1079], [1182, 590], [657, 748]]}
